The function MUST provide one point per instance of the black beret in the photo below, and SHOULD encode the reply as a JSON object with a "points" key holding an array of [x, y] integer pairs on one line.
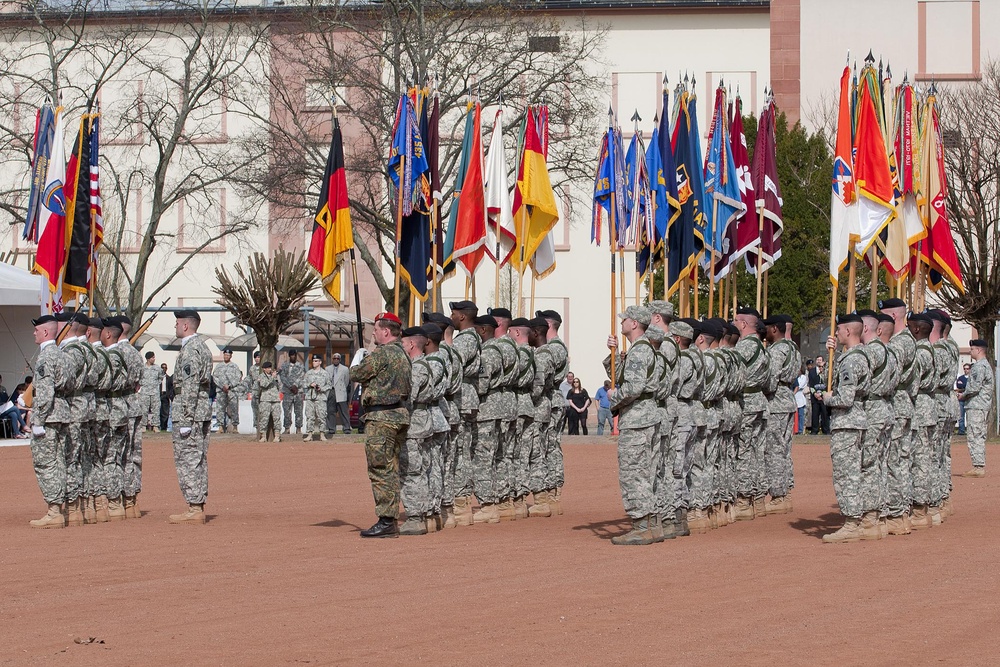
{"points": [[939, 315], [485, 321], [113, 323], [228, 350], [463, 305], [63, 316], [81, 318], [848, 318], [187, 315], [410, 332], [438, 318], [549, 315], [433, 331], [316, 357], [293, 353], [499, 312], [520, 322], [732, 329], [538, 323], [918, 317], [96, 323], [891, 303], [978, 342], [748, 310], [267, 364], [124, 319], [884, 317], [710, 328], [774, 321], [697, 325], [864, 312], [44, 319]]}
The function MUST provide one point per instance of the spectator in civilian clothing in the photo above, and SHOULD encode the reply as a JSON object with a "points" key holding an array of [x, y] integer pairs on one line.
{"points": [[604, 408], [577, 405], [960, 385]]}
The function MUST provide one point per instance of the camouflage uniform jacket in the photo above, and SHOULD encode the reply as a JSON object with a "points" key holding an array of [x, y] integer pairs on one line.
{"points": [[149, 385], [426, 388], [318, 377], [670, 352], [785, 365], [662, 374], [851, 382], [133, 364], [467, 343], [268, 387], [925, 379], [192, 381], [385, 377], [120, 389], [81, 399], [292, 376], [757, 375], [904, 348], [946, 365], [52, 372], [979, 391], [440, 364], [250, 381], [227, 374], [102, 388], [714, 387], [453, 389], [524, 381], [732, 413], [498, 365], [634, 397], [541, 390], [560, 366], [952, 395], [885, 378], [691, 374]]}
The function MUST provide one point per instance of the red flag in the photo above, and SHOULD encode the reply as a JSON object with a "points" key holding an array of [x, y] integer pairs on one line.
{"points": [[938, 249], [470, 225], [764, 173]]}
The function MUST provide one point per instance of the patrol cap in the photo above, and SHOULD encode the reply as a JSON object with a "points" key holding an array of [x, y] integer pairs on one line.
{"points": [[433, 331], [410, 332], [550, 315], [655, 334], [485, 321], [520, 322], [464, 305], [437, 318], [390, 317], [499, 312], [978, 342], [662, 308], [682, 329], [267, 364], [96, 323], [848, 318], [44, 319], [640, 314], [187, 315], [919, 317], [866, 313], [884, 317], [748, 310], [891, 303]]}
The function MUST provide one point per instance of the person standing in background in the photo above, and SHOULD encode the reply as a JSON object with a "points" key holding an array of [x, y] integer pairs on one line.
{"points": [[817, 385], [149, 393], [960, 385], [979, 394], [801, 389], [166, 396], [564, 388], [338, 400], [604, 408], [577, 405], [292, 374]]}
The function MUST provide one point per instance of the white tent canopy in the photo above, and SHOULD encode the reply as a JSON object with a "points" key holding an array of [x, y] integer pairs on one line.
{"points": [[20, 288], [20, 301]]}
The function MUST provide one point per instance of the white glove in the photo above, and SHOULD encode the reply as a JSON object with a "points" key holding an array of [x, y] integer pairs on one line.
{"points": [[185, 431], [38, 430], [359, 356]]}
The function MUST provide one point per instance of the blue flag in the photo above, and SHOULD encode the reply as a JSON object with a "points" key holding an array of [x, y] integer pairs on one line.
{"points": [[39, 170], [681, 234], [610, 180], [414, 244], [409, 144], [695, 163], [723, 202]]}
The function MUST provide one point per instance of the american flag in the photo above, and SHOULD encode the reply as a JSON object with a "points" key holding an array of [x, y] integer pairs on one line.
{"points": [[95, 190]]}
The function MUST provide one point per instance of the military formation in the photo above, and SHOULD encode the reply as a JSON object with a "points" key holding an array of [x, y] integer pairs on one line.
{"points": [[90, 412], [463, 412]]}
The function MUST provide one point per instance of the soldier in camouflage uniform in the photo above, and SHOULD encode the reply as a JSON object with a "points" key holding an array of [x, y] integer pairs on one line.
{"points": [[518, 455], [554, 469], [440, 363], [192, 416], [705, 455], [228, 387], [496, 360], [466, 342], [132, 456], [691, 422], [925, 408], [292, 374], [891, 522], [786, 362], [102, 508], [50, 416], [661, 314], [119, 426], [633, 398], [269, 402], [750, 449], [250, 387], [81, 401], [946, 365], [661, 530], [451, 406], [978, 397], [385, 378], [317, 387], [541, 397], [149, 393], [506, 399], [730, 423], [899, 480], [851, 382]]}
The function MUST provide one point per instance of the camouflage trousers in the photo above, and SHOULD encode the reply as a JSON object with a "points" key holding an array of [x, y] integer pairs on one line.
{"points": [[899, 482], [874, 451], [315, 410], [506, 443], [414, 476], [726, 471], [268, 412], [942, 460], [701, 478], [48, 455], [383, 441], [79, 442], [255, 409], [519, 456], [922, 464], [686, 440], [435, 474], [150, 406], [449, 452], [132, 458], [90, 466], [465, 444], [662, 463], [778, 453], [536, 457], [114, 468], [845, 451], [554, 473], [635, 469], [750, 476], [95, 478], [484, 460], [292, 404], [976, 424], [227, 408], [191, 461]]}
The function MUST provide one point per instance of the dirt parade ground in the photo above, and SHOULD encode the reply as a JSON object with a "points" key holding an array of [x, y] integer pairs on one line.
{"points": [[279, 576]]}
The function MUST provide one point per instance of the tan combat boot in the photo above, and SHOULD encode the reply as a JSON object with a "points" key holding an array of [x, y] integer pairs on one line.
{"points": [[414, 525], [946, 508], [463, 511], [897, 525], [307, 437], [849, 532], [520, 508], [116, 509], [779, 505], [101, 503], [194, 514], [698, 521], [639, 535], [505, 509], [433, 522], [488, 513], [919, 519], [555, 501], [869, 526], [89, 510], [541, 506], [74, 512], [975, 471], [667, 526], [262, 438], [322, 436], [53, 518], [132, 507], [656, 528], [448, 517], [759, 507], [744, 509], [277, 438], [934, 512]]}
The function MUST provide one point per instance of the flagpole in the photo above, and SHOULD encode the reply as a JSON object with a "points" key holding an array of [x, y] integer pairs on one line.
{"points": [[695, 290], [521, 230], [760, 252], [873, 297], [614, 298], [666, 269], [435, 212], [833, 330], [852, 277], [496, 257], [399, 230], [735, 292], [766, 274], [531, 309], [649, 290], [466, 288], [711, 280]]}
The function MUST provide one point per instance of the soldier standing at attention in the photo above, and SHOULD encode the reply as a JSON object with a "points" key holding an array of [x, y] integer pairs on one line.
{"points": [[385, 378], [467, 343], [132, 456], [488, 424], [691, 420], [554, 469], [149, 394], [924, 422], [633, 398], [81, 403], [785, 365], [50, 421], [317, 383], [269, 405], [978, 397], [228, 378], [292, 375], [119, 427], [250, 387], [946, 366], [524, 426], [750, 450], [541, 396], [851, 381], [192, 416], [439, 362], [102, 508], [899, 483], [414, 455], [452, 412], [663, 450]]}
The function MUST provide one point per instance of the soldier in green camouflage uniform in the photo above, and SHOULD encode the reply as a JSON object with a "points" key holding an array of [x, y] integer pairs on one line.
{"points": [[269, 402], [786, 363], [750, 484], [192, 416], [899, 481], [385, 377], [50, 416], [95, 483], [507, 411], [705, 455], [978, 397], [730, 422], [661, 530], [451, 407], [946, 365], [925, 408], [691, 422], [228, 387], [292, 374], [317, 387], [439, 362], [149, 393], [554, 469], [119, 426], [541, 397], [518, 455], [466, 342], [81, 402], [132, 456], [851, 382], [250, 387], [661, 314]]}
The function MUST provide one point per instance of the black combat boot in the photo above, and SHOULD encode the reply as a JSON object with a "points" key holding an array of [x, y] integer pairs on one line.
{"points": [[384, 527]]}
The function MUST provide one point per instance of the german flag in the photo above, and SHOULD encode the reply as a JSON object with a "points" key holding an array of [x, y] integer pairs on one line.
{"points": [[332, 233]]}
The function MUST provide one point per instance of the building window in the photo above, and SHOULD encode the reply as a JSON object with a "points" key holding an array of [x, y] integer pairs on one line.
{"points": [[544, 43], [201, 222], [958, 57]]}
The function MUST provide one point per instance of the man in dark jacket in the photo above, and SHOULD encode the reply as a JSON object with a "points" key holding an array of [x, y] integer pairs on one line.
{"points": [[817, 385], [166, 395]]}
